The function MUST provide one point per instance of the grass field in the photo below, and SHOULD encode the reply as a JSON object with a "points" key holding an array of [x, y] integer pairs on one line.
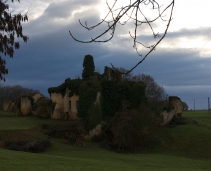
{"points": [[180, 148]]}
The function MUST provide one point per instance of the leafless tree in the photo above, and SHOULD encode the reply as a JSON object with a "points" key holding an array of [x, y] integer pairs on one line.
{"points": [[154, 92], [132, 11]]}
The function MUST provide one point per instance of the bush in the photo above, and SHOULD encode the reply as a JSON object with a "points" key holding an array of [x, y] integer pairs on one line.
{"points": [[71, 132], [43, 108], [178, 120], [131, 129], [56, 131], [28, 145]]}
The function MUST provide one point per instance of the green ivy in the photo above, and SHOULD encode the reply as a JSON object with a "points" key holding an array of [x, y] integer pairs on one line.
{"points": [[87, 96], [115, 93], [173, 97], [72, 85], [60, 89], [95, 116]]}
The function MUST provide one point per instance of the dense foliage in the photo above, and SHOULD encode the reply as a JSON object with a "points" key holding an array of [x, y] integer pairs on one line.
{"points": [[73, 132], [87, 97], [10, 29], [131, 129], [114, 93], [89, 67], [43, 107], [155, 93]]}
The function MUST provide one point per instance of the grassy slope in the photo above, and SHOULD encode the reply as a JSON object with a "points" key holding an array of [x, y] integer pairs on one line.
{"points": [[176, 147], [192, 140]]}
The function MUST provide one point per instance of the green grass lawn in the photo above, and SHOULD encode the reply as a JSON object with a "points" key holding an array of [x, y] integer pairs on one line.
{"points": [[181, 148], [96, 159], [10, 121], [202, 116]]}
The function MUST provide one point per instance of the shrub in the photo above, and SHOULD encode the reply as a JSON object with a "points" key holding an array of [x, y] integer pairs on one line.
{"points": [[56, 131], [131, 129], [28, 145], [42, 107], [71, 132], [178, 120]]}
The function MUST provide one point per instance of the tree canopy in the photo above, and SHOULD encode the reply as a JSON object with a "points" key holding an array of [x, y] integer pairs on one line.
{"points": [[10, 29], [89, 67]]}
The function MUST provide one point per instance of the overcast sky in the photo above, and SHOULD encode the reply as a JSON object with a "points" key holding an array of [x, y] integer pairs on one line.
{"points": [[181, 63]]}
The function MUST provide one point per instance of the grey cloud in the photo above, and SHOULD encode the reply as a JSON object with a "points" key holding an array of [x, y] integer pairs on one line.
{"points": [[173, 37], [178, 67], [191, 33], [63, 9]]}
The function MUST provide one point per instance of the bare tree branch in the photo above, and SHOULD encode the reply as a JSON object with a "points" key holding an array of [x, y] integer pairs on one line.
{"points": [[134, 12]]}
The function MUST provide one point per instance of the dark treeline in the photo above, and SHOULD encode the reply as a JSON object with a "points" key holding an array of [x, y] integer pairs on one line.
{"points": [[11, 92]]}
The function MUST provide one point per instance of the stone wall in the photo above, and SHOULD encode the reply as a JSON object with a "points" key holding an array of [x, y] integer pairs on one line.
{"points": [[73, 107], [59, 107], [66, 107], [6, 105], [168, 116], [26, 106], [178, 106], [36, 97]]}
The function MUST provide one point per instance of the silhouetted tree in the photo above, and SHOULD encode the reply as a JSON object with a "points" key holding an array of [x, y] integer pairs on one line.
{"points": [[133, 11], [185, 106], [89, 67], [10, 29], [154, 92]]}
